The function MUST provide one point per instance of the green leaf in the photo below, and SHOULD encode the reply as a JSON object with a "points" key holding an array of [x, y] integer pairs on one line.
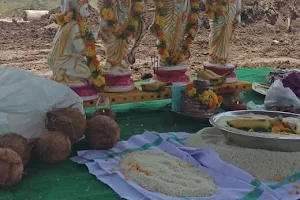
{"points": [[95, 74], [131, 28], [161, 45]]}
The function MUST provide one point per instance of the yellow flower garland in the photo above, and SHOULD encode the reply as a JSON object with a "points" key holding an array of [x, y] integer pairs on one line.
{"points": [[208, 98], [216, 8], [90, 48], [211, 99], [108, 14], [191, 32]]}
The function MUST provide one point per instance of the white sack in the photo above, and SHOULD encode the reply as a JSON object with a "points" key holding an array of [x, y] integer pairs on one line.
{"points": [[25, 98], [280, 96]]}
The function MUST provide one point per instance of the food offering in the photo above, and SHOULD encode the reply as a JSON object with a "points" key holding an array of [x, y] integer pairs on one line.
{"points": [[275, 131], [278, 125]]}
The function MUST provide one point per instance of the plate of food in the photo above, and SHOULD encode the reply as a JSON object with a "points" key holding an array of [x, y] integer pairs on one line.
{"points": [[260, 88], [270, 130]]}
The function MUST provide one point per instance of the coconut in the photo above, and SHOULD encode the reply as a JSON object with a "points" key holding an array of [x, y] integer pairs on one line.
{"points": [[102, 132], [106, 112], [17, 143], [69, 121], [52, 147], [11, 168]]}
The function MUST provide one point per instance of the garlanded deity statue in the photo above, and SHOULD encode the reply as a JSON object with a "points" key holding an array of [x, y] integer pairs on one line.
{"points": [[223, 16], [175, 27], [73, 58], [120, 23]]}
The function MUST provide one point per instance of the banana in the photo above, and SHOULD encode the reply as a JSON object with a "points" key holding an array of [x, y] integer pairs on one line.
{"points": [[247, 123], [153, 86], [261, 124], [213, 74], [214, 78], [202, 74]]}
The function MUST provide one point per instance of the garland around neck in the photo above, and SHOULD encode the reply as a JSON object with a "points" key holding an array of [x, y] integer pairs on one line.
{"points": [[108, 13], [190, 33], [90, 47]]}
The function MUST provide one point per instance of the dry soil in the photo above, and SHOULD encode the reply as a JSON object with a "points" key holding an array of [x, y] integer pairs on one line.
{"points": [[262, 40]]}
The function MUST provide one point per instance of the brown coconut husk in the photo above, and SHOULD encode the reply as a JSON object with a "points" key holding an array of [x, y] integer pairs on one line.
{"points": [[11, 168], [17, 143], [106, 112], [69, 121], [52, 147], [102, 132]]}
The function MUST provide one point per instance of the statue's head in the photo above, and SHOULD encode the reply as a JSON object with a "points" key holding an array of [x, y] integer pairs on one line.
{"points": [[80, 6]]}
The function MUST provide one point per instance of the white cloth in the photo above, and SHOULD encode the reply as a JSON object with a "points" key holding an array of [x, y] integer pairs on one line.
{"points": [[25, 98]]}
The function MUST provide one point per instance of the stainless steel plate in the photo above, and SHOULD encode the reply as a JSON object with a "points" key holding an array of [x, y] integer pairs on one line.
{"points": [[201, 117], [283, 143], [260, 88]]}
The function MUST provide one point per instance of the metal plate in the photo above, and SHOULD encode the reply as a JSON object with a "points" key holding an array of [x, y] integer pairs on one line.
{"points": [[260, 88], [201, 117], [283, 143]]}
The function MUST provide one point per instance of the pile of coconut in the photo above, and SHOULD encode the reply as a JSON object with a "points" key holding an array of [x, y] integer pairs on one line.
{"points": [[65, 126]]}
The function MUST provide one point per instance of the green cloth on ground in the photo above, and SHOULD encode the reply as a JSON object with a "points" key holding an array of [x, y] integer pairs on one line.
{"points": [[70, 181]]}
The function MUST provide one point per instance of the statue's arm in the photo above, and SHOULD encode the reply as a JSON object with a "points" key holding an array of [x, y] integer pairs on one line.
{"points": [[78, 41], [169, 6]]}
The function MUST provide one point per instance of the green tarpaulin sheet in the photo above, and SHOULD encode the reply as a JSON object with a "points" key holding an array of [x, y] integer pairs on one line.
{"points": [[70, 181]]}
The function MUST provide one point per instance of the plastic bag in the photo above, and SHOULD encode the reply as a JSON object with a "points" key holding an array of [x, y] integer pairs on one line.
{"points": [[25, 98], [252, 106], [279, 96]]}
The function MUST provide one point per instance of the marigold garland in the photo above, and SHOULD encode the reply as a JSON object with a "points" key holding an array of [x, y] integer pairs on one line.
{"points": [[216, 8], [108, 13], [208, 98], [90, 47], [191, 31]]}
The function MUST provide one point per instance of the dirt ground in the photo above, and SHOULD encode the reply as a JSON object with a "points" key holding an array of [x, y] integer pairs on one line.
{"points": [[262, 40]]}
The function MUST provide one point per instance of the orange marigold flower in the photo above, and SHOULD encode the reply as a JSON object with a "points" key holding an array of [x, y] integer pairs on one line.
{"points": [[159, 33], [161, 51], [146, 172], [189, 41], [278, 178], [213, 104], [174, 59], [189, 87], [90, 43], [220, 99], [95, 62]]}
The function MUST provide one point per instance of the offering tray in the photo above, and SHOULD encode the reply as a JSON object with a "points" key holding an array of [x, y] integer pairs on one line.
{"points": [[278, 142]]}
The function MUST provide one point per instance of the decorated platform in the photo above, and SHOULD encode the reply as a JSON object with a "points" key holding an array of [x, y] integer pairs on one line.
{"points": [[140, 96]]}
